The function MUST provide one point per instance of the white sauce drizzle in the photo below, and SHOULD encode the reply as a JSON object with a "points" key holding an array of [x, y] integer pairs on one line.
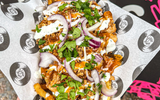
{"points": [[106, 78], [111, 46], [37, 74], [47, 30], [104, 24]]}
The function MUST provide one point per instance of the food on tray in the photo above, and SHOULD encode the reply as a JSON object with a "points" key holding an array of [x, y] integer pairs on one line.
{"points": [[76, 40]]}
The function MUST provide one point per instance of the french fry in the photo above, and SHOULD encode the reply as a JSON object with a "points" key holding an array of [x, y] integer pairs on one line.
{"points": [[41, 92]]}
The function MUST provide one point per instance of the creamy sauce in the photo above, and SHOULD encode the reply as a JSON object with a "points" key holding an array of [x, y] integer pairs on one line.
{"points": [[103, 52], [111, 46], [94, 6], [47, 30], [104, 97], [37, 74], [105, 24], [53, 68], [106, 78], [56, 94], [50, 11], [47, 95], [75, 22]]}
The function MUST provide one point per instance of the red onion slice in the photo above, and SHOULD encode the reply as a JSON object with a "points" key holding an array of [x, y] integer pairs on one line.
{"points": [[70, 72], [96, 79], [93, 45], [106, 91], [46, 59], [80, 21], [65, 25], [86, 32], [53, 4], [98, 58], [70, 20], [95, 76], [88, 77], [95, 26]]}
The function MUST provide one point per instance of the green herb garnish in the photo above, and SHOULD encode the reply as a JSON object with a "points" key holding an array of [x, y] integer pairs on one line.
{"points": [[40, 42], [63, 77], [63, 34], [62, 6], [76, 33], [37, 29], [73, 64]]}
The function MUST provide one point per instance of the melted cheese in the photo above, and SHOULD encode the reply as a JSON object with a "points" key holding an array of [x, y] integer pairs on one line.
{"points": [[56, 93], [47, 95]]}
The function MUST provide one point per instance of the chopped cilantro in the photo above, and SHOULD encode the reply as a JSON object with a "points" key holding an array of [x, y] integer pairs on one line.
{"points": [[62, 96], [67, 54], [73, 64], [79, 23], [87, 38], [76, 33], [43, 50], [98, 33], [72, 94], [60, 41], [62, 6], [70, 45], [101, 37], [70, 32], [90, 65], [75, 53], [88, 97], [42, 75], [63, 34], [40, 42], [81, 93], [60, 89], [63, 77], [56, 28], [85, 44], [99, 87], [56, 47], [37, 29], [103, 75], [61, 84], [51, 47]]}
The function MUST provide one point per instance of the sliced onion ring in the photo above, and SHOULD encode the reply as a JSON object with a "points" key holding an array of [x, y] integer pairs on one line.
{"points": [[93, 45], [96, 79], [106, 91], [86, 32], [46, 59], [70, 72], [95, 26], [88, 77], [98, 58], [65, 25]]}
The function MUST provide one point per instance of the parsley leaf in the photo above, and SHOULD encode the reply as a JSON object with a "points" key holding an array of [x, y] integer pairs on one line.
{"points": [[62, 6], [75, 53], [40, 42], [59, 41], [81, 93], [103, 75], [51, 47], [63, 34], [87, 38], [88, 97], [72, 94], [99, 87], [42, 75], [76, 33], [37, 29], [70, 45], [61, 84], [72, 64], [62, 96], [63, 77], [60, 89], [85, 44]]}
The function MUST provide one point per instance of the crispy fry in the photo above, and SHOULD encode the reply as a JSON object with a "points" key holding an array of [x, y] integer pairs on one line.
{"points": [[50, 2], [41, 92]]}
